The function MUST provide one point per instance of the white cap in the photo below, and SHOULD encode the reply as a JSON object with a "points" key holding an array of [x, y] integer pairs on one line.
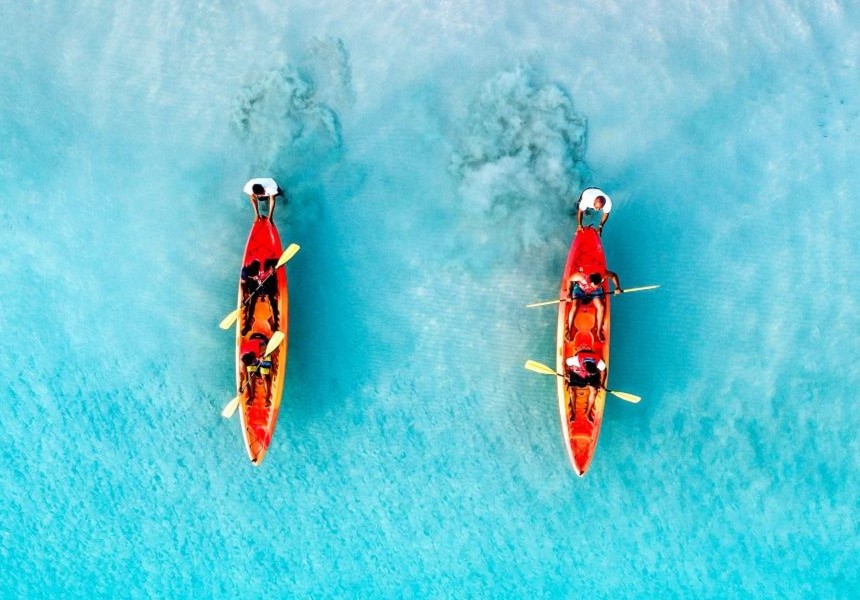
{"points": [[268, 184]]}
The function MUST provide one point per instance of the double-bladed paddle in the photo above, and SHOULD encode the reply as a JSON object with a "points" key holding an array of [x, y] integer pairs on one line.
{"points": [[533, 365], [626, 291]]}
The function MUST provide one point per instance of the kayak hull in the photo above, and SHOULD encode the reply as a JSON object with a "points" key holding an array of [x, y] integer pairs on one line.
{"points": [[580, 433], [259, 406]]}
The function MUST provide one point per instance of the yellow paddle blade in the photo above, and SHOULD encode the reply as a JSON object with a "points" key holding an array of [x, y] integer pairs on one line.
{"points": [[641, 289], [545, 303], [230, 408], [533, 365], [273, 344], [625, 396], [287, 255], [227, 322]]}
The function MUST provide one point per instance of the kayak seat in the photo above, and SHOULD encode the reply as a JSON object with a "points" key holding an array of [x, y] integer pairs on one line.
{"points": [[583, 340], [261, 327], [584, 320], [262, 309]]}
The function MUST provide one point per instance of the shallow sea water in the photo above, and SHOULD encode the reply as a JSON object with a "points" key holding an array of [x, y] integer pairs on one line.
{"points": [[432, 153]]}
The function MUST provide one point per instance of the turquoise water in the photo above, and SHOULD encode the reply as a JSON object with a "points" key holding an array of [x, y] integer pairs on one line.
{"points": [[432, 152]]}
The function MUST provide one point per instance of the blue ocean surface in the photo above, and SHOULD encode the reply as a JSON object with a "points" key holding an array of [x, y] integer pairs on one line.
{"points": [[432, 153]]}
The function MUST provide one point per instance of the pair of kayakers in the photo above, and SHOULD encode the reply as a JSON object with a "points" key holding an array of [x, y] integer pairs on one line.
{"points": [[587, 368]]}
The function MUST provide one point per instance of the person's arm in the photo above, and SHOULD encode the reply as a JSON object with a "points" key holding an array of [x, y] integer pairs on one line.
{"points": [[603, 220], [613, 277], [578, 217], [278, 192]]}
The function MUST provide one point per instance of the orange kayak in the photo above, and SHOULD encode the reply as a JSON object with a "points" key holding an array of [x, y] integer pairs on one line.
{"points": [[265, 313], [579, 432]]}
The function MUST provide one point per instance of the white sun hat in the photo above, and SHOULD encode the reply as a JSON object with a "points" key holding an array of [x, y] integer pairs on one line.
{"points": [[268, 184]]}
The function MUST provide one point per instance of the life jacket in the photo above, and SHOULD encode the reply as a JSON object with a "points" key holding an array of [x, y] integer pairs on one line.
{"points": [[255, 346], [577, 363], [263, 367]]}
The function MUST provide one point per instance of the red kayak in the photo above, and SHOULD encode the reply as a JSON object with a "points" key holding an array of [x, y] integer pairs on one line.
{"points": [[264, 313], [579, 429]]}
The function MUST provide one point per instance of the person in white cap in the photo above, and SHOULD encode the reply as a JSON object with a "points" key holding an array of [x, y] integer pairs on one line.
{"points": [[261, 188], [593, 199]]}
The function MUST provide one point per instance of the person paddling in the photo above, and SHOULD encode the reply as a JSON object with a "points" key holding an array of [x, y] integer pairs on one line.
{"points": [[586, 369], [589, 288], [593, 199], [257, 280], [256, 365]]}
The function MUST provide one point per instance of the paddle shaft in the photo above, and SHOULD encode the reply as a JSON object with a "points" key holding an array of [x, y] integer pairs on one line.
{"points": [[601, 294]]}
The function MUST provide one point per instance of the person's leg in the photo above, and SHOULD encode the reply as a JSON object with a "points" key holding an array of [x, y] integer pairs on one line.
{"points": [[574, 303], [574, 382], [571, 394], [249, 388], [592, 395], [248, 309], [250, 291], [271, 290], [598, 305]]}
